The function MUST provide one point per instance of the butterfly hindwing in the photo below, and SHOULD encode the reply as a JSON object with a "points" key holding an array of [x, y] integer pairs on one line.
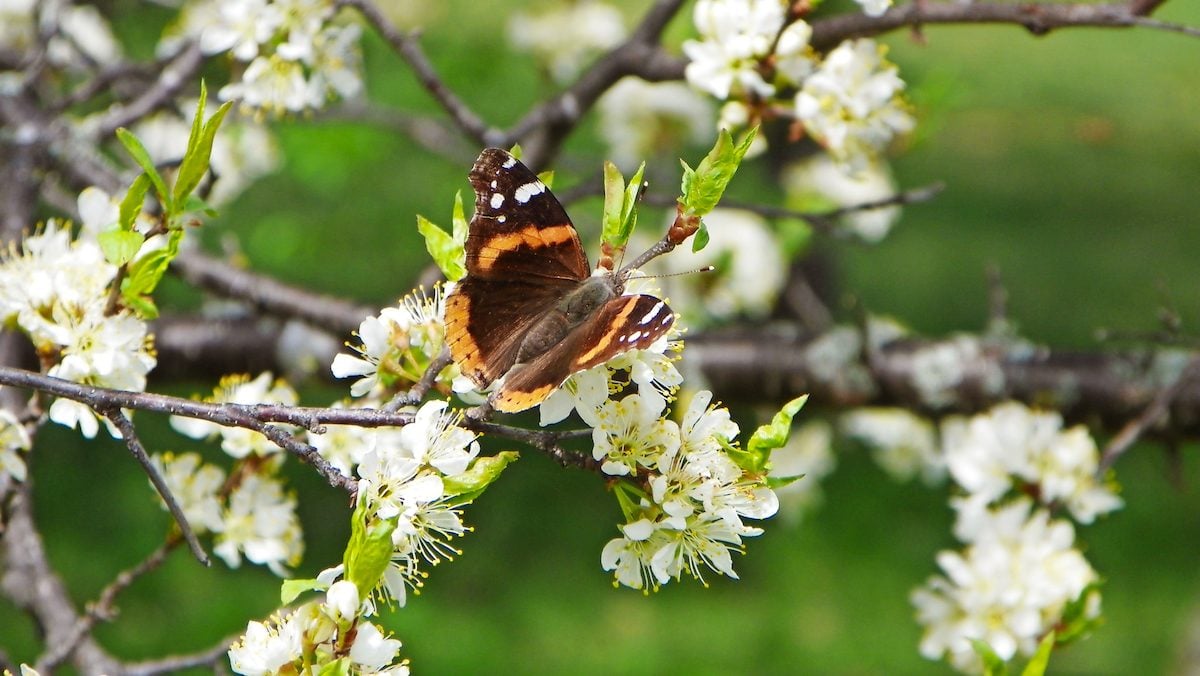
{"points": [[487, 319], [520, 222], [622, 324]]}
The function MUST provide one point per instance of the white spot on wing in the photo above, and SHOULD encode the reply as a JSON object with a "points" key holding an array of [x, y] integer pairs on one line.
{"points": [[509, 163], [493, 184], [529, 190], [651, 314], [497, 200], [501, 219], [634, 336]]}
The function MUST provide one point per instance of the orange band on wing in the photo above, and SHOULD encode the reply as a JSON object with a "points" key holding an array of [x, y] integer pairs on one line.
{"points": [[614, 328], [512, 401], [530, 236], [463, 348]]}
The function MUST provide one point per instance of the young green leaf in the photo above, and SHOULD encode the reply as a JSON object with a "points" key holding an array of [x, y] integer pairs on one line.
{"points": [[774, 434], [120, 246], [140, 155], [703, 186], [292, 589], [458, 220], [133, 202], [195, 162], [472, 483], [777, 482], [447, 251], [992, 664], [369, 550], [614, 198], [1041, 659], [340, 667], [701, 238], [145, 273]]}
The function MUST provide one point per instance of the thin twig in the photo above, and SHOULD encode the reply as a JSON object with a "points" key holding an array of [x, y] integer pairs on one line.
{"points": [[167, 665], [171, 80], [1158, 408], [422, 386], [407, 47], [546, 441], [1147, 22], [129, 434], [102, 607]]}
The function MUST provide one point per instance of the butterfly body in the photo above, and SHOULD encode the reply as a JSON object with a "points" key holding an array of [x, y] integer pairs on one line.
{"points": [[530, 310]]}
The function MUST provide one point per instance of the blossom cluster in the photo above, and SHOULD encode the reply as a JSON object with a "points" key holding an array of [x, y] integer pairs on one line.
{"points": [[293, 56], [319, 633], [756, 56], [1020, 575], [562, 38], [78, 37], [56, 288], [251, 514]]}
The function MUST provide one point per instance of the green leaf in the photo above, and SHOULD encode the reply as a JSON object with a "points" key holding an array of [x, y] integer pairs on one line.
{"points": [[145, 273], [614, 198], [774, 434], [1075, 622], [139, 154], [701, 238], [703, 187], [339, 667], [134, 200], [195, 162], [458, 220], [992, 664], [777, 482], [291, 589], [449, 254], [547, 177], [472, 483], [194, 204], [369, 550], [1041, 659], [120, 246]]}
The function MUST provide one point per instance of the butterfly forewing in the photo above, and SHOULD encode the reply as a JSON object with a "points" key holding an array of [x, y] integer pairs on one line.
{"points": [[518, 219]]}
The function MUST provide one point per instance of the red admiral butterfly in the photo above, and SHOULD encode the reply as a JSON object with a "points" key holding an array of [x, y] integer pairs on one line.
{"points": [[530, 308]]}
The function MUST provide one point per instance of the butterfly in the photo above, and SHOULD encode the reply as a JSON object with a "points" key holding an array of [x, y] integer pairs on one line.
{"points": [[530, 310]]}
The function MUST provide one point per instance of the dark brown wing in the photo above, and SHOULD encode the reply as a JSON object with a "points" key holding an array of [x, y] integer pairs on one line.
{"points": [[519, 229], [487, 319], [623, 323]]}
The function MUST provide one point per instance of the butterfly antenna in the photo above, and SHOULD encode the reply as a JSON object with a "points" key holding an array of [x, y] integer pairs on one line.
{"points": [[706, 268]]}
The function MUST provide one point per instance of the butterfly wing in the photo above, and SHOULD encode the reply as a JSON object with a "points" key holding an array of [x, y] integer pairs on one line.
{"points": [[623, 323], [519, 229], [523, 257]]}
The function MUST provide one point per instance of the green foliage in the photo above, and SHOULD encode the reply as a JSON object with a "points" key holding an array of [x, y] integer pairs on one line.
{"points": [[135, 199], [448, 250], [339, 667], [120, 246], [145, 274], [769, 437], [702, 187], [369, 550], [142, 157], [1041, 659], [1075, 622], [992, 664], [620, 204], [199, 149], [290, 590], [472, 483]]}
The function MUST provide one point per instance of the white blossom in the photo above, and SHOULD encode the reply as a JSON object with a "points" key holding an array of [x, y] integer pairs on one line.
{"points": [[344, 446], [820, 179], [240, 442], [1008, 588], [404, 338], [736, 36], [14, 438], [196, 487], [750, 270], [852, 103], [903, 444], [631, 434], [266, 647], [874, 7], [639, 119], [260, 523], [272, 84], [1011, 444], [240, 27], [564, 38]]}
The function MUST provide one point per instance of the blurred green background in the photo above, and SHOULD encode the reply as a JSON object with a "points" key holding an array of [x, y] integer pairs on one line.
{"points": [[1071, 162]]}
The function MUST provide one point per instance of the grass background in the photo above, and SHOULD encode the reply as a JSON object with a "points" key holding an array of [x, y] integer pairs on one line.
{"points": [[1072, 163]]}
